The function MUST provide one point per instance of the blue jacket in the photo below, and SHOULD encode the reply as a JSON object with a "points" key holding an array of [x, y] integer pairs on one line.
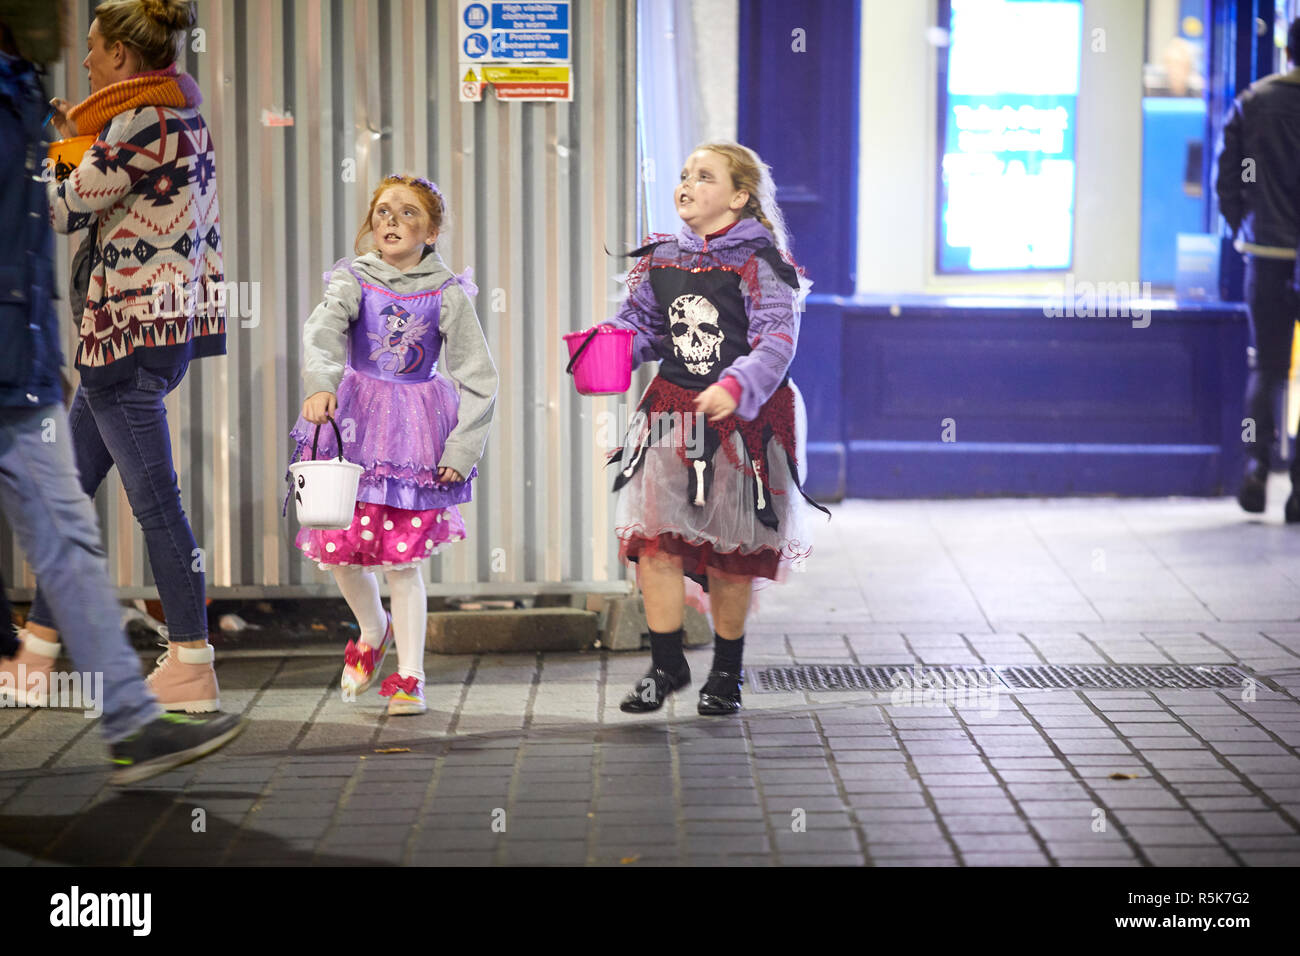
{"points": [[30, 355]]}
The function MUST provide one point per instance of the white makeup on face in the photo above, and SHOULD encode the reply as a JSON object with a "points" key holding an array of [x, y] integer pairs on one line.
{"points": [[705, 197], [400, 227]]}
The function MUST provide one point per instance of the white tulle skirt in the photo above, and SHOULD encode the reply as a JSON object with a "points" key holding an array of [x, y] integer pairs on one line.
{"points": [[657, 514]]}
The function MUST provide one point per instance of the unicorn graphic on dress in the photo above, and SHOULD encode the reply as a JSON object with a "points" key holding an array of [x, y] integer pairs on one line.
{"points": [[397, 348]]}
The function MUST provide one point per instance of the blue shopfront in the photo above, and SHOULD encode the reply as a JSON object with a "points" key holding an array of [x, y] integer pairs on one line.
{"points": [[1007, 208]]}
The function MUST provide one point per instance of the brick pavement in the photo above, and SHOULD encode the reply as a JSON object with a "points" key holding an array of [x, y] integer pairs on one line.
{"points": [[526, 759]]}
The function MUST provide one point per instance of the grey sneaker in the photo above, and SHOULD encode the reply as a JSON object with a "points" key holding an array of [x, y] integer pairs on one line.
{"points": [[169, 741]]}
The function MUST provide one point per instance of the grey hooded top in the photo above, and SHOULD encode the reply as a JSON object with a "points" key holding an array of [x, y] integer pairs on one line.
{"points": [[464, 359]]}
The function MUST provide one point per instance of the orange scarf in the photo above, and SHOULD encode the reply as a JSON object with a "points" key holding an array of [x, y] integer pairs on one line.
{"points": [[158, 88]]}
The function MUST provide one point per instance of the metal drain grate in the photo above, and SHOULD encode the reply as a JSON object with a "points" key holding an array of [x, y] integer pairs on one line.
{"points": [[888, 677], [1115, 676], [847, 677]]}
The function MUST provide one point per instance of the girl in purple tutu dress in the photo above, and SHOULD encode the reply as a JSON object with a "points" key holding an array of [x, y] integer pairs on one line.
{"points": [[371, 362]]}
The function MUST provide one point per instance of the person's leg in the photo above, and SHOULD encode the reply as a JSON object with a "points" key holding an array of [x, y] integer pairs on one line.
{"points": [[43, 501], [93, 463], [132, 422], [1272, 322], [410, 622], [729, 600], [360, 588], [410, 619], [1291, 309], [9, 643], [362, 659], [663, 589]]}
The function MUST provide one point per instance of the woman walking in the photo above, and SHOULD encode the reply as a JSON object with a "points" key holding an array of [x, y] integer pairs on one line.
{"points": [[141, 292]]}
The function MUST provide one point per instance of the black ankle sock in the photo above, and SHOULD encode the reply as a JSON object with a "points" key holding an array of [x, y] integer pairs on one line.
{"points": [[666, 650], [727, 655]]}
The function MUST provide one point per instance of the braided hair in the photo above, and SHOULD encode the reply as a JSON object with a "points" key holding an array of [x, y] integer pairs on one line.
{"points": [[754, 176]]}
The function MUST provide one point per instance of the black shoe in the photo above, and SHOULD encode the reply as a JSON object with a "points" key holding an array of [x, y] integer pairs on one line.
{"points": [[169, 741], [1251, 495], [651, 690], [721, 693], [1293, 508]]}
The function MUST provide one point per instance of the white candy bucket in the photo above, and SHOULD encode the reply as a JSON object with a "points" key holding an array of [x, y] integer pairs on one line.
{"points": [[325, 492]]}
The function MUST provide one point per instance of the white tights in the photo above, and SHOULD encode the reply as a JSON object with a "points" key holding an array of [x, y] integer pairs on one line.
{"points": [[360, 588]]}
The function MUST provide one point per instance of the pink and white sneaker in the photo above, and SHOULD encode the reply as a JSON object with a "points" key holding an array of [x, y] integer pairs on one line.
{"points": [[25, 679], [361, 662], [406, 694]]}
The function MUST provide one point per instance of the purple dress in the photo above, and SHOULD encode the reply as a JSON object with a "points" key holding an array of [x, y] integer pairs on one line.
{"points": [[394, 412]]}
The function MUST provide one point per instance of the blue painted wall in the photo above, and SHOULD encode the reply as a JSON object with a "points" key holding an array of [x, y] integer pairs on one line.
{"points": [[798, 90], [1040, 405], [1031, 404]]}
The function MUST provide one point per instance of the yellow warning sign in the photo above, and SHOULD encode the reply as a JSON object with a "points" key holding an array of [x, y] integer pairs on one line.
{"points": [[470, 77], [526, 74]]}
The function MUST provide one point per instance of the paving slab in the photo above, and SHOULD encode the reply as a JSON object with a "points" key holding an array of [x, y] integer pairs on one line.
{"points": [[526, 759]]}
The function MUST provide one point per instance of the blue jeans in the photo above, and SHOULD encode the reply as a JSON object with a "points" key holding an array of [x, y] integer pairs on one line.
{"points": [[126, 425], [43, 502]]}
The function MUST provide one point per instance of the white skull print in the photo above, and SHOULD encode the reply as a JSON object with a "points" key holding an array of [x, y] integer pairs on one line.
{"points": [[697, 338]]}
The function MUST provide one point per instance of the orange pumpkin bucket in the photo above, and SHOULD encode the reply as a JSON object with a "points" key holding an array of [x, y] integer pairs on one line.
{"points": [[66, 154]]}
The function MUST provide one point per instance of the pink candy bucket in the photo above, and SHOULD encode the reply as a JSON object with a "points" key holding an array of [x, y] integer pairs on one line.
{"points": [[600, 360]]}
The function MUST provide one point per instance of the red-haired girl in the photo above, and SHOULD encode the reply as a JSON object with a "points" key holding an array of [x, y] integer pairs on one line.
{"points": [[371, 362]]}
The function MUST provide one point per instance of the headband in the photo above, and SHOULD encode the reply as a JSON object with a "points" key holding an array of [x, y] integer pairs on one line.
{"points": [[414, 181]]}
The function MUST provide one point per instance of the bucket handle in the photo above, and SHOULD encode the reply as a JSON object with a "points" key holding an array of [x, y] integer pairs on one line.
{"points": [[337, 434], [568, 370], [288, 476]]}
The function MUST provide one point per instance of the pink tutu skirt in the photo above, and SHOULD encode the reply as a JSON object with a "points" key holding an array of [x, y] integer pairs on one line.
{"points": [[381, 536], [396, 432]]}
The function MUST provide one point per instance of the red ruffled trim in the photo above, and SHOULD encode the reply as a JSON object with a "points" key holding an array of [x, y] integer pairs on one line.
{"points": [[698, 559], [638, 271], [777, 412]]}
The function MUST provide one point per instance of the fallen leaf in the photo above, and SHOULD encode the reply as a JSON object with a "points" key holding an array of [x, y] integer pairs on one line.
{"points": [[394, 750], [630, 859], [1123, 776], [318, 627]]}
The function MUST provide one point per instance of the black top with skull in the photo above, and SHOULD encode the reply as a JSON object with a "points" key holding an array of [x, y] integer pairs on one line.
{"points": [[707, 324]]}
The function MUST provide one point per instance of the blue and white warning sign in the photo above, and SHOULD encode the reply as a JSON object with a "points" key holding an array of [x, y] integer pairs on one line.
{"points": [[521, 49], [530, 16], [529, 45]]}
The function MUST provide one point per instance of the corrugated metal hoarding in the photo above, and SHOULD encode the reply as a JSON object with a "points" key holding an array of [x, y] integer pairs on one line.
{"points": [[536, 191]]}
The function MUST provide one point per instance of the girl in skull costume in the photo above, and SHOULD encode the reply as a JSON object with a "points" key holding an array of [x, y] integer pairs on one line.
{"points": [[718, 306]]}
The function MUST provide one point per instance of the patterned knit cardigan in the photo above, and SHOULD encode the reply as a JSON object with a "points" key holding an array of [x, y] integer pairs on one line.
{"points": [[157, 294]]}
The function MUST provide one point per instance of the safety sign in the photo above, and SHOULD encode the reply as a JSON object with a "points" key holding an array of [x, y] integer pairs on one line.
{"points": [[523, 50]]}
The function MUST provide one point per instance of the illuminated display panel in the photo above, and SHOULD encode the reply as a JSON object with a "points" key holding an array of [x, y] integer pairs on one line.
{"points": [[1008, 95]]}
